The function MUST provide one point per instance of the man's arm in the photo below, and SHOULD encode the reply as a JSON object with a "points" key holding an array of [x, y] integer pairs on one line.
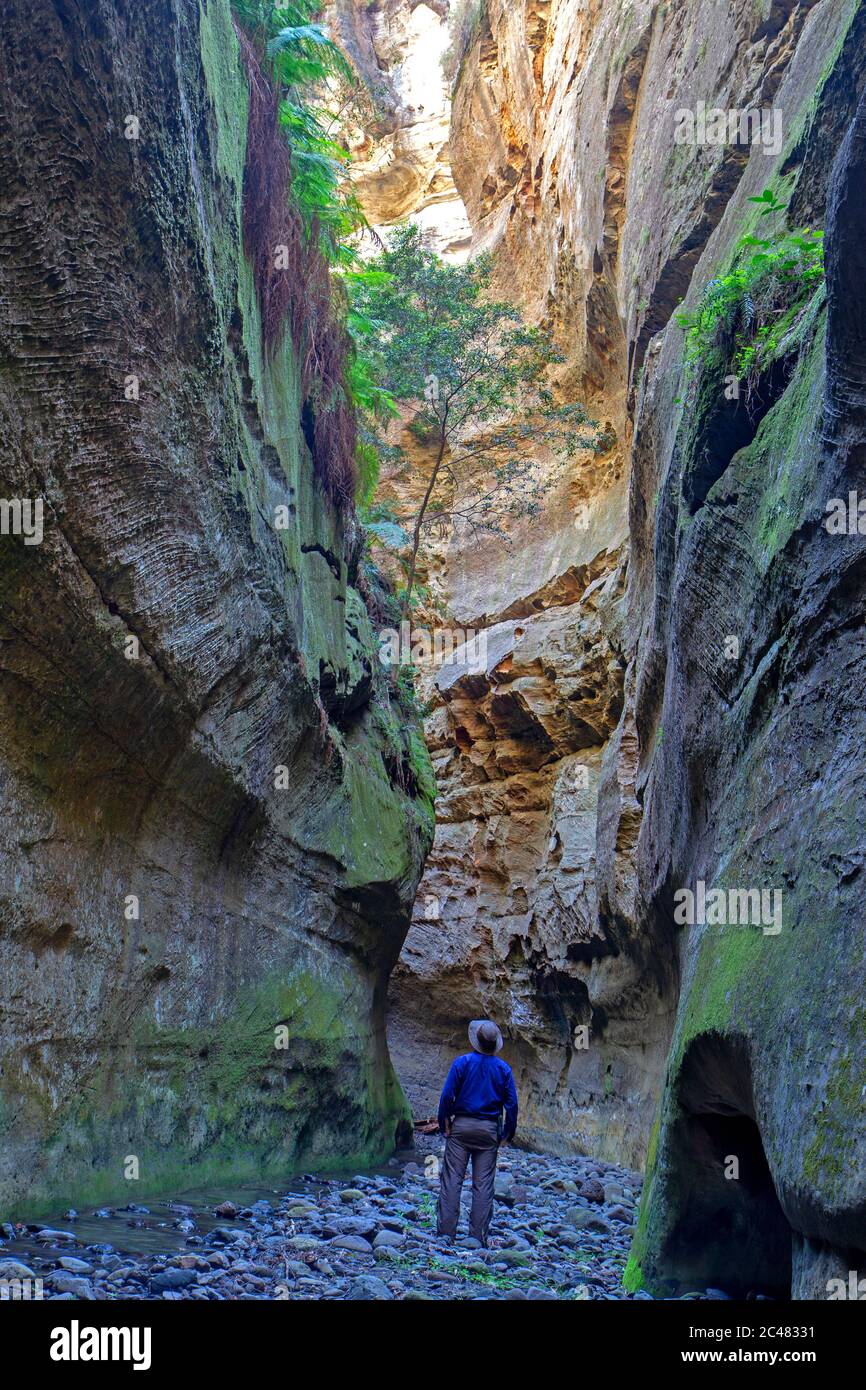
{"points": [[510, 1102], [449, 1094]]}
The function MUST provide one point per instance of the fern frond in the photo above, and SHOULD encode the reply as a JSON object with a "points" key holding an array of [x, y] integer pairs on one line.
{"points": [[303, 54]]}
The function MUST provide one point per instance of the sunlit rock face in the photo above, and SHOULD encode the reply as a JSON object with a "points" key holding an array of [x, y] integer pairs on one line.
{"points": [[506, 921], [562, 147], [401, 165]]}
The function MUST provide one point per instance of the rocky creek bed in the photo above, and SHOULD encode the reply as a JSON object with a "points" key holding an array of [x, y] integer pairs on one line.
{"points": [[561, 1230]]}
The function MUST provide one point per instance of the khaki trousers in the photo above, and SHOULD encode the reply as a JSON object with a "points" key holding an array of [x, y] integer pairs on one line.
{"points": [[474, 1139]]}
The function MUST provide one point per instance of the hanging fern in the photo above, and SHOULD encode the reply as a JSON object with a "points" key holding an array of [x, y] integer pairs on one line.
{"points": [[301, 197], [305, 65], [302, 55]]}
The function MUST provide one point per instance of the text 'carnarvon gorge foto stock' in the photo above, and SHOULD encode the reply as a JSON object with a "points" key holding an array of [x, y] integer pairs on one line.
{"points": [[432, 673]]}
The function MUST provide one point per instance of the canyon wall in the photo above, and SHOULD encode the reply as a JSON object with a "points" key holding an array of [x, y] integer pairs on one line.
{"points": [[613, 752], [215, 805], [398, 132], [214, 811], [747, 614]]}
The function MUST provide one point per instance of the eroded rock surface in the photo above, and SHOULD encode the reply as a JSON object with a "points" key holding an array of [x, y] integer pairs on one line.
{"points": [[735, 772], [214, 817], [401, 165], [506, 921], [755, 782]]}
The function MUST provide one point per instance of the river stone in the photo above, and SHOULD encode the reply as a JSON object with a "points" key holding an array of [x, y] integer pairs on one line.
{"points": [[68, 1283], [509, 1257], [386, 1254], [529, 1244], [368, 1287], [357, 1244], [503, 1184], [14, 1269], [586, 1220], [170, 1279], [388, 1238], [592, 1190], [620, 1213], [354, 1225]]}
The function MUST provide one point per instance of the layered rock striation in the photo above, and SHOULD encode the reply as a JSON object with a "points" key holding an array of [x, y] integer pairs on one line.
{"points": [[214, 811], [748, 707], [399, 136], [729, 763]]}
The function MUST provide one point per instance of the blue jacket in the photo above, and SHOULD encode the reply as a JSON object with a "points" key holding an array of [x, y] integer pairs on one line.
{"points": [[480, 1084]]}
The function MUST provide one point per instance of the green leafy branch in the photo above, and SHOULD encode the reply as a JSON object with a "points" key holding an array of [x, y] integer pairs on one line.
{"points": [[744, 315], [309, 69]]}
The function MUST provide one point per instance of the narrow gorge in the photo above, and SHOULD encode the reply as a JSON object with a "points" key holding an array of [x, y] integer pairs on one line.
{"points": [[611, 750], [257, 880]]}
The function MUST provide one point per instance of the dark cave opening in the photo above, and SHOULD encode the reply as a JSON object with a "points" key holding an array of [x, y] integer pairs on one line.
{"points": [[730, 426], [728, 1229]]}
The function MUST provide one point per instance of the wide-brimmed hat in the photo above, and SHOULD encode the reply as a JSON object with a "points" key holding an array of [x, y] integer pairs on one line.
{"points": [[483, 1030]]}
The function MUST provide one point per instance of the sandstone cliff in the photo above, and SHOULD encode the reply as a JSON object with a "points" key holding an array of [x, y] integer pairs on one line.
{"points": [[672, 693], [549, 905], [748, 767], [399, 136], [214, 816]]}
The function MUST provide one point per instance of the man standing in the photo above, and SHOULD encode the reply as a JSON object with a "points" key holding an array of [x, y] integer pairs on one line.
{"points": [[478, 1087]]}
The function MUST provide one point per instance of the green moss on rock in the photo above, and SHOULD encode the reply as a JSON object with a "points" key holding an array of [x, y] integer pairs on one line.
{"points": [[291, 1078], [157, 1039]]}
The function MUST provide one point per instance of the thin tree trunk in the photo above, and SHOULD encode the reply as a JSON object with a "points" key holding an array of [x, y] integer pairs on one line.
{"points": [[416, 534]]}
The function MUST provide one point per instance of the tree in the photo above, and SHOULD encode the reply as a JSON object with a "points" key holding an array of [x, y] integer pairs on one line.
{"points": [[478, 378]]}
